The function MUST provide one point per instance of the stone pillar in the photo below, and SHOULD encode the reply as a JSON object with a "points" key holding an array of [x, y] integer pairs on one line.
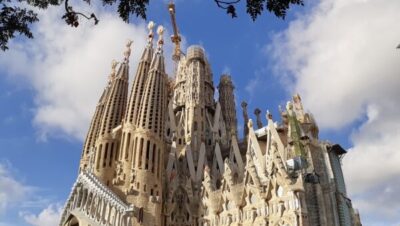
{"points": [[108, 213], [257, 112], [246, 119]]}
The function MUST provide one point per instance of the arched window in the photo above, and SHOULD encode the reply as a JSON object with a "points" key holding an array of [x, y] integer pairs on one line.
{"points": [[73, 221]]}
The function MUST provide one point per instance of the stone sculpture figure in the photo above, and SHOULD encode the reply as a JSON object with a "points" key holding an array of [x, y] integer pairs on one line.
{"points": [[119, 174]]}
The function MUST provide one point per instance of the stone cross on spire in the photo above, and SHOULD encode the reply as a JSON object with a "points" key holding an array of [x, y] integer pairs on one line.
{"points": [[127, 52], [257, 112]]}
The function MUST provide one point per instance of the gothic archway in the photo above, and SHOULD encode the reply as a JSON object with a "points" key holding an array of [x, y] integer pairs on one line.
{"points": [[72, 221]]}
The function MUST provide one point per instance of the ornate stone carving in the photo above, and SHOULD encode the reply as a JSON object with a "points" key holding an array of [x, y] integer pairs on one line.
{"points": [[131, 186], [119, 174]]}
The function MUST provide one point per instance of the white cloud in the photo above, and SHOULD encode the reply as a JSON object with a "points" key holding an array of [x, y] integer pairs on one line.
{"points": [[12, 191], [251, 85], [254, 85], [342, 58], [68, 67], [49, 216]]}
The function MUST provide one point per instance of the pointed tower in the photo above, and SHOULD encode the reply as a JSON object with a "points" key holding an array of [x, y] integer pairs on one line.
{"points": [[140, 79], [227, 101], [94, 128], [144, 187], [114, 105], [130, 122], [193, 102]]}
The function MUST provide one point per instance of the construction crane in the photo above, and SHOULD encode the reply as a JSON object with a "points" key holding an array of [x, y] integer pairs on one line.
{"points": [[175, 38]]}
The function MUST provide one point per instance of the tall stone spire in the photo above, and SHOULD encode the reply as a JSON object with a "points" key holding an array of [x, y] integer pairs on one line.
{"points": [[154, 93], [245, 118], [294, 132], [194, 99], [227, 101], [140, 79], [114, 106], [94, 128], [148, 144], [132, 112]]}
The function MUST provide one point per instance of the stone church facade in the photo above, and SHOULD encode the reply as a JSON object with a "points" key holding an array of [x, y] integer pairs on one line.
{"points": [[168, 154]]}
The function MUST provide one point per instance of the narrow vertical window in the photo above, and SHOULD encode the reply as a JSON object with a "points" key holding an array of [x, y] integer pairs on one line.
{"points": [[105, 155], [99, 156], [140, 153], [147, 154], [134, 153], [122, 145], [111, 154], [158, 163], [128, 142], [153, 162], [117, 151]]}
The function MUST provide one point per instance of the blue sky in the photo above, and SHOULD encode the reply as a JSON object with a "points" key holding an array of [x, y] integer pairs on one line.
{"points": [[338, 54]]}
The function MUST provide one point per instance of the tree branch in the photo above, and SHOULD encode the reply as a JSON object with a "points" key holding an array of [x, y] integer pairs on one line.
{"points": [[220, 3], [228, 5], [71, 16]]}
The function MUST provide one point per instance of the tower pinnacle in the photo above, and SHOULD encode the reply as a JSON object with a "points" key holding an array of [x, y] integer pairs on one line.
{"points": [[114, 65], [140, 79], [127, 52], [150, 27], [160, 32]]}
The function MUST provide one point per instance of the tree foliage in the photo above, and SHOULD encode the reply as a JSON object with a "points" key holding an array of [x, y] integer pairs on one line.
{"points": [[256, 7], [15, 17]]}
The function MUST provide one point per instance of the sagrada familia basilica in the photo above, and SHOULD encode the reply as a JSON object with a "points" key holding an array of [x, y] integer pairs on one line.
{"points": [[168, 154]]}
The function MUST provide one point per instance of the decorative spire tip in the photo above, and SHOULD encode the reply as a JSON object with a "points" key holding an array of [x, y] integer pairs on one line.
{"points": [[269, 115], [150, 27], [127, 52], [160, 32], [289, 106], [114, 64], [250, 123]]}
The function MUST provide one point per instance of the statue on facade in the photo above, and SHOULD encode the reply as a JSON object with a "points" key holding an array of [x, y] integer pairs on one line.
{"points": [[228, 172], [119, 174]]}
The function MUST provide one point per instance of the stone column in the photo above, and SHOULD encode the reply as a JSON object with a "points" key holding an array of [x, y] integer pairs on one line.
{"points": [[245, 118], [116, 216], [257, 112], [82, 203]]}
